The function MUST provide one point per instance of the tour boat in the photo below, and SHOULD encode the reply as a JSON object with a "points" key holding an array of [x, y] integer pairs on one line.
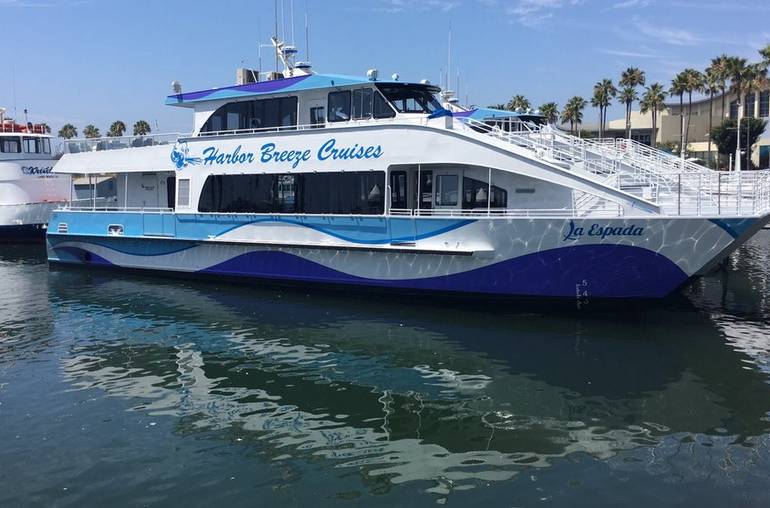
{"points": [[29, 189], [374, 183]]}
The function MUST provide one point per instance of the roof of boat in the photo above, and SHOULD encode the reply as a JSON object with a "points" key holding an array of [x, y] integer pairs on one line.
{"points": [[293, 84], [489, 113]]}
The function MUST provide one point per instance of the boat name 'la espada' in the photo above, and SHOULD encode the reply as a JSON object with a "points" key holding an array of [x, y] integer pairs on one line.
{"points": [[596, 230], [269, 152]]}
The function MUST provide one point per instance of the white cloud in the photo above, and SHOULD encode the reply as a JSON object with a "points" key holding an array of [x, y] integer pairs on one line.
{"points": [[397, 6], [630, 54], [627, 4], [534, 12], [668, 35]]}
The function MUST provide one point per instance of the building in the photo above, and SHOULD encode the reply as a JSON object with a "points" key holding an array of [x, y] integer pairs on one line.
{"points": [[757, 106]]}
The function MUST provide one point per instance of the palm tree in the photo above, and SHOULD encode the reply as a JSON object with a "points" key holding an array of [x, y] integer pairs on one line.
{"points": [[498, 106], [573, 113], [652, 102], [765, 54], [629, 80], [91, 131], [518, 102], [679, 87], [738, 72], [628, 96], [695, 81], [719, 66], [117, 129], [711, 84], [45, 127], [141, 128], [756, 79], [604, 91], [68, 131], [550, 110]]}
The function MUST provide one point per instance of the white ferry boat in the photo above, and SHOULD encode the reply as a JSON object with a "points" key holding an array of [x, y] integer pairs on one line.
{"points": [[346, 181], [29, 190]]}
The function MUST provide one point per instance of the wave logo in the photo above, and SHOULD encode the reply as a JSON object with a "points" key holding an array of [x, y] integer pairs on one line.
{"points": [[179, 155]]}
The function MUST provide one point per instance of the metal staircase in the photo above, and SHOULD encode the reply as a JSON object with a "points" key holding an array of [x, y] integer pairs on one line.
{"points": [[678, 186]]}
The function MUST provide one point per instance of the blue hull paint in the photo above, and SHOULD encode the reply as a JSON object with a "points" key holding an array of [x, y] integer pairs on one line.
{"points": [[598, 271]]}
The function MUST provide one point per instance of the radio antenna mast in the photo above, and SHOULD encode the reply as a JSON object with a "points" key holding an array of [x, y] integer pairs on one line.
{"points": [[307, 37], [275, 34], [291, 11]]}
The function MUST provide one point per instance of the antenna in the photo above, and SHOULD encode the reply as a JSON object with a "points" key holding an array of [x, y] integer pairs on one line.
{"points": [[449, 57], [275, 34], [291, 10], [307, 37], [283, 22]]}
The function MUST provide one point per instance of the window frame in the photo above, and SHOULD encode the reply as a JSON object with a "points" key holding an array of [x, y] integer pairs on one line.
{"points": [[331, 115]]}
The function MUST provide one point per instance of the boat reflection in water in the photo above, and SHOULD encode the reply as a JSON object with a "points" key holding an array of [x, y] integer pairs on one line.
{"points": [[396, 393]]}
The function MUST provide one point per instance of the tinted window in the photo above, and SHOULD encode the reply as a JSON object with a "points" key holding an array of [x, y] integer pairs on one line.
{"points": [[355, 193], [257, 114], [475, 195], [362, 103], [10, 145], [32, 145], [411, 98], [764, 103], [447, 190], [381, 107], [339, 106]]}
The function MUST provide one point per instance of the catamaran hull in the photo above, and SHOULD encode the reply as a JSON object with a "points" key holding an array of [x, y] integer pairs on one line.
{"points": [[25, 222], [569, 258]]}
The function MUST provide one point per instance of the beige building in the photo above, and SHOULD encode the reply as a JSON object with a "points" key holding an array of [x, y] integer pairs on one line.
{"points": [[757, 106]]}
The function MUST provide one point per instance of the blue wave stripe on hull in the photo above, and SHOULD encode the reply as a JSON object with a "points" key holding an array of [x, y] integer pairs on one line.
{"points": [[610, 271]]}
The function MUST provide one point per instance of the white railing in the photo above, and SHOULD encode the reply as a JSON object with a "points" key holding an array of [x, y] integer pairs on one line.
{"points": [[611, 211], [677, 186], [117, 143], [114, 208]]}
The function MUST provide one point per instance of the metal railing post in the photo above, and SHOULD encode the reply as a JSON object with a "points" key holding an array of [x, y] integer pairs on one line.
{"points": [[719, 194], [699, 191], [679, 195]]}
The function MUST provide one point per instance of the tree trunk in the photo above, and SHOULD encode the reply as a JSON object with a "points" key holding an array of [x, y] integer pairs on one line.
{"points": [[653, 138], [628, 120], [689, 115], [711, 126], [681, 125], [738, 126]]}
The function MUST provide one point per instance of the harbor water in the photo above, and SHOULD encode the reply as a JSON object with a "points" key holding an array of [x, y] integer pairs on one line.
{"points": [[131, 390]]}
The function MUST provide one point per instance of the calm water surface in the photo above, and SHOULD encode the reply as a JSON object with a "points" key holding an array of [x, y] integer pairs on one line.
{"points": [[124, 390]]}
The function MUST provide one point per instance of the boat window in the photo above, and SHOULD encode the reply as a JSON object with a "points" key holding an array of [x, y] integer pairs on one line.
{"points": [[339, 106], [426, 190], [381, 107], [475, 195], [183, 194], [398, 190], [32, 145], [362, 103], [317, 116], [10, 144], [447, 190], [256, 114], [411, 99], [349, 193], [46, 145]]}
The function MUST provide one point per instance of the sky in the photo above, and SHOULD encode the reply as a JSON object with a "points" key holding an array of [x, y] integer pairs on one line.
{"points": [[96, 61]]}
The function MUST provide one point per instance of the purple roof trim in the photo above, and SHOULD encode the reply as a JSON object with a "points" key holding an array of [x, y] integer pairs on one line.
{"points": [[261, 87]]}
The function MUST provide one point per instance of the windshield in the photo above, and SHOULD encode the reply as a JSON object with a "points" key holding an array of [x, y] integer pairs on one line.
{"points": [[410, 98]]}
